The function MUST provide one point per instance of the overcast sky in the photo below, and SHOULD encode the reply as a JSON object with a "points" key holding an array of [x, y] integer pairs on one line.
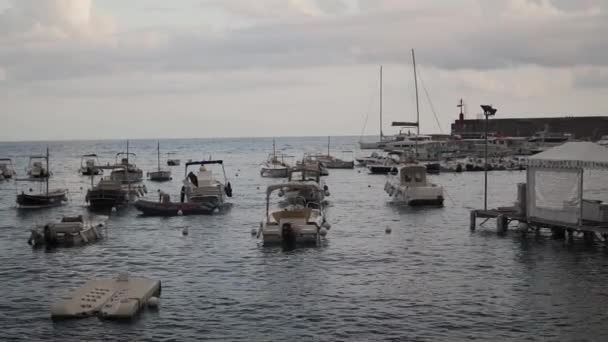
{"points": [[82, 69]]}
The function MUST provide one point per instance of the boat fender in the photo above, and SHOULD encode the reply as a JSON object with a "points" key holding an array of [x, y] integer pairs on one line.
{"points": [[327, 193], [326, 225], [185, 231], [113, 209], [323, 232], [180, 213], [153, 302], [253, 231], [325, 187], [228, 189]]}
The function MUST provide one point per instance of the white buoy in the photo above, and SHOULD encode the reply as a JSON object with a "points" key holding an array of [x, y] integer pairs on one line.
{"points": [[185, 231], [254, 231], [180, 213], [113, 209], [153, 302], [388, 230], [323, 232]]}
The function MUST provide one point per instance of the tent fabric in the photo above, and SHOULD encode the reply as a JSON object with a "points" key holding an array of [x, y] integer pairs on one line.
{"points": [[554, 195], [572, 155]]}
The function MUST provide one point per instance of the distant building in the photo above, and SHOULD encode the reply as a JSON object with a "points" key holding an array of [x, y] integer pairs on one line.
{"points": [[580, 127]]}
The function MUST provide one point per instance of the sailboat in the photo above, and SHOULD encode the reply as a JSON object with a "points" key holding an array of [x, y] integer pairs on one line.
{"points": [[381, 143], [410, 185], [159, 175], [332, 162], [45, 198]]}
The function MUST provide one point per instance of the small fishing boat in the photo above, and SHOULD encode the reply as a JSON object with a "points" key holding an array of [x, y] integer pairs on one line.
{"points": [[45, 198], [165, 207], [71, 231], [332, 162], [89, 165], [159, 175], [313, 162], [275, 166], [36, 167], [172, 161], [121, 297], [203, 187], [296, 224], [7, 169], [410, 186]]}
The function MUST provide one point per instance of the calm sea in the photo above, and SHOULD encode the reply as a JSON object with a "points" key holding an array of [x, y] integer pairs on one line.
{"points": [[431, 279]]}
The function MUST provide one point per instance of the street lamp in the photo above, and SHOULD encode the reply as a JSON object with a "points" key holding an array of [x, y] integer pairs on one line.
{"points": [[487, 112]]}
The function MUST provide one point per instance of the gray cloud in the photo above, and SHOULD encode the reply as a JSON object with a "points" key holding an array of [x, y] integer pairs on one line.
{"points": [[381, 33]]}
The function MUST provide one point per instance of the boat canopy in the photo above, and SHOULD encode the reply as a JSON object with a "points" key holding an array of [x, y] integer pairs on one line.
{"points": [[6, 159], [404, 124], [293, 186], [89, 155], [572, 155]]}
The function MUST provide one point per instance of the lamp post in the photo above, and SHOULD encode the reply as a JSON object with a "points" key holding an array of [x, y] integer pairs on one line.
{"points": [[487, 112]]}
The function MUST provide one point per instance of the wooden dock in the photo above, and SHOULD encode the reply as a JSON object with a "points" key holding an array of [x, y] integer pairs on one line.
{"points": [[590, 231]]}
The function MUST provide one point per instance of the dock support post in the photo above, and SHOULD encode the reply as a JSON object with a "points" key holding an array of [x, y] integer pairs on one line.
{"points": [[502, 224], [558, 233], [473, 222]]}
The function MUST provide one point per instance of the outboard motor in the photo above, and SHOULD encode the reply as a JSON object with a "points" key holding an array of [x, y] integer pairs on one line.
{"points": [[288, 235], [182, 194], [228, 189], [49, 236]]}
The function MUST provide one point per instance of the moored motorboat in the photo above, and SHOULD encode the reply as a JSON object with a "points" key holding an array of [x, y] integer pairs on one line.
{"points": [[37, 167], [111, 193], [315, 192], [125, 171], [7, 169], [203, 187], [172, 161], [89, 165], [296, 224], [410, 186], [71, 231]]}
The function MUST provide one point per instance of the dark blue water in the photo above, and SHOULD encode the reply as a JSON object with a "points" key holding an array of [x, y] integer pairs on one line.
{"points": [[430, 280]]}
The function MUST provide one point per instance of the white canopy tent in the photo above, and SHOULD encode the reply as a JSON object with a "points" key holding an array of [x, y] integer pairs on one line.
{"points": [[555, 181]]}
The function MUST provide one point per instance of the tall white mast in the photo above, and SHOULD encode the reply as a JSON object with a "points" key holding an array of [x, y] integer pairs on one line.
{"points": [[417, 104], [381, 135]]}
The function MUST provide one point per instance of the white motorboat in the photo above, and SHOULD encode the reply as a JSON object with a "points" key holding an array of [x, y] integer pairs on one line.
{"points": [[410, 186], [7, 169], [125, 171], [275, 166], [36, 167], [603, 141], [203, 187], [297, 223], [89, 165], [316, 192], [159, 175], [71, 231]]}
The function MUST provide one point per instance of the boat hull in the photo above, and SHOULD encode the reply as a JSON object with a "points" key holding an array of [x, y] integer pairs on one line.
{"points": [[381, 169], [274, 172], [106, 199], [150, 208], [160, 176], [42, 200], [304, 234]]}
